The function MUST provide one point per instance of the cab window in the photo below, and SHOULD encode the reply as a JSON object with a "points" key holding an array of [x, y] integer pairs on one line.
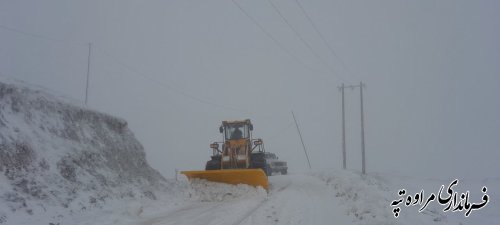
{"points": [[236, 131]]}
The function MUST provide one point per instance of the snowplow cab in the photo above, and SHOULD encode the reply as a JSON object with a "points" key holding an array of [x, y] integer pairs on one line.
{"points": [[234, 162], [237, 147]]}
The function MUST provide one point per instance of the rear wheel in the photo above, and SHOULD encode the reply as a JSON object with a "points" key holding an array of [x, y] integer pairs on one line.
{"points": [[283, 172]]}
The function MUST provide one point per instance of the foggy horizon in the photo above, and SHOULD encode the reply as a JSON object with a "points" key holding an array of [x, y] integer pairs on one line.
{"points": [[174, 70]]}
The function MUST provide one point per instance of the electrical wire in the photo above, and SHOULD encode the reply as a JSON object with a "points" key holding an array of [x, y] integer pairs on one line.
{"points": [[166, 85], [304, 41], [33, 35], [128, 67], [322, 36], [268, 34]]}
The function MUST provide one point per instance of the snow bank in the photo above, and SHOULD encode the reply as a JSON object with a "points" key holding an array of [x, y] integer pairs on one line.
{"points": [[206, 191], [367, 199], [362, 197], [58, 159]]}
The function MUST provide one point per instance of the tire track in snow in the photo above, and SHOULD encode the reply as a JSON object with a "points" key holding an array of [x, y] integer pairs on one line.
{"points": [[186, 211], [249, 213], [208, 212], [293, 199], [301, 200], [252, 211]]}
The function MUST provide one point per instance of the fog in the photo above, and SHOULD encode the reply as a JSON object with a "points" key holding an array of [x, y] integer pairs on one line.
{"points": [[175, 69]]}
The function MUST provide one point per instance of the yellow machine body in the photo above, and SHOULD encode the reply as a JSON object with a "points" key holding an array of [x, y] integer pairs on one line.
{"points": [[234, 163], [252, 177]]}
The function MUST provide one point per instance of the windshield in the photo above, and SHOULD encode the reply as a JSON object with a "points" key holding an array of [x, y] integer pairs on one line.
{"points": [[236, 131]]}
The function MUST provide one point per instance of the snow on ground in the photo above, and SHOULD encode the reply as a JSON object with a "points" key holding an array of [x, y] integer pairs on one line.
{"points": [[299, 199], [201, 202], [217, 192], [321, 197]]}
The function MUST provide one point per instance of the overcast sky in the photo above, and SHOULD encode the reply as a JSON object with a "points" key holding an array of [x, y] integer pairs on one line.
{"points": [[175, 69]]}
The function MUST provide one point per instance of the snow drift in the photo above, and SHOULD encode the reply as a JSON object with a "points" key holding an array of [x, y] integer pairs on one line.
{"points": [[57, 158], [206, 191]]}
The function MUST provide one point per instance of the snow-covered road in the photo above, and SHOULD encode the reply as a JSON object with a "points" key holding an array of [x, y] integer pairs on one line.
{"points": [[299, 199], [293, 199]]}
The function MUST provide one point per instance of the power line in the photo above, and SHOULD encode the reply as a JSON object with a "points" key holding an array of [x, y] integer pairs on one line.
{"points": [[39, 36], [34, 35], [304, 41], [321, 36], [43, 37], [166, 85], [268, 34]]}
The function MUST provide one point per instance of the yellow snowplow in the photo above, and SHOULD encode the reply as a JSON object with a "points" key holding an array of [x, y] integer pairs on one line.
{"points": [[253, 177], [239, 161]]}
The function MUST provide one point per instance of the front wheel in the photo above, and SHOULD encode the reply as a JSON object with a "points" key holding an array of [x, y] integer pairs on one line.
{"points": [[284, 172], [213, 164]]}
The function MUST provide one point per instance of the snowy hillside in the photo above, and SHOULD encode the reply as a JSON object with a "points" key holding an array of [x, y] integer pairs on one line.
{"points": [[58, 159]]}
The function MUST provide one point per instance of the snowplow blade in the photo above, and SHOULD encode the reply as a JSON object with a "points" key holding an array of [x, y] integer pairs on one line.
{"points": [[253, 177]]}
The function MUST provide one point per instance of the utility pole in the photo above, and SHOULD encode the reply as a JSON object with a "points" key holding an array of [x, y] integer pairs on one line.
{"points": [[363, 168], [302, 141], [88, 74], [363, 158], [344, 159]]}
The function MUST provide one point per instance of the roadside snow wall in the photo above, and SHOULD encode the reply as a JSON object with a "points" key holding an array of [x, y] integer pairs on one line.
{"points": [[57, 158]]}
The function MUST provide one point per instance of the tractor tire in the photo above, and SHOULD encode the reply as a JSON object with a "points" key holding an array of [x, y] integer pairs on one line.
{"points": [[214, 164]]}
